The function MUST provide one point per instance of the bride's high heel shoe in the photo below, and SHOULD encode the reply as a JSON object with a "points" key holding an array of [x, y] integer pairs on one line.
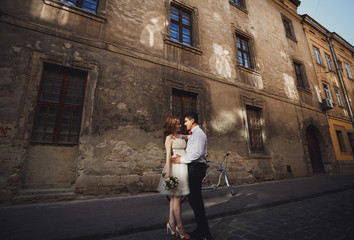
{"points": [[169, 228], [183, 237]]}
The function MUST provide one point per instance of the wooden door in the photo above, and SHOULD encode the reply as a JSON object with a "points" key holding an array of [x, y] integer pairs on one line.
{"points": [[314, 150]]}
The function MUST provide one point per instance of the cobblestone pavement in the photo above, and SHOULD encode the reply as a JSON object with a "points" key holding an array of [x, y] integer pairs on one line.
{"points": [[321, 218]]}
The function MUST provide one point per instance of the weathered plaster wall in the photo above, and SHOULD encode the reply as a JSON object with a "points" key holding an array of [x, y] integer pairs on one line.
{"points": [[131, 74]]}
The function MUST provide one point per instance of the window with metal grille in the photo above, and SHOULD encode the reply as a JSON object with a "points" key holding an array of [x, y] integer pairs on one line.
{"points": [[183, 102], [243, 51], [255, 128], [317, 55], [181, 24], [59, 106], [288, 25], [240, 3], [87, 5], [300, 75]]}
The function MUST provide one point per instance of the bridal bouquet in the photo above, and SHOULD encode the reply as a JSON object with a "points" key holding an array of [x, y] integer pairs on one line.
{"points": [[171, 183]]}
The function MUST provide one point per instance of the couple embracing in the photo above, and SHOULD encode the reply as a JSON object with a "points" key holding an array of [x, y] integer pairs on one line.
{"points": [[186, 161]]}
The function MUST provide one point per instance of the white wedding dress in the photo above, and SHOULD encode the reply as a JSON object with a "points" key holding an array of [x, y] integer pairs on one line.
{"points": [[178, 170]]}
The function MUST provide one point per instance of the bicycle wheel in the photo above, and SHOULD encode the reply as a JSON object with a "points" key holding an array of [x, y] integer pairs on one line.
{"points": [[212, 180], [228, 184]]}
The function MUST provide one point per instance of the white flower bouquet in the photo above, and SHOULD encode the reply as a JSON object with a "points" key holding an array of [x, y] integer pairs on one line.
{"points": [[171, 183]]}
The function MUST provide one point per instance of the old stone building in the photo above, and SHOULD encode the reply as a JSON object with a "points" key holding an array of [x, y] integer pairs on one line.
{"points": [[333, 63], [86, 86]]}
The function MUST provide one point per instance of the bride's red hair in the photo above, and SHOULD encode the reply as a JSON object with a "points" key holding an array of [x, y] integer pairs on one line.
{"points": [[169, 126]]}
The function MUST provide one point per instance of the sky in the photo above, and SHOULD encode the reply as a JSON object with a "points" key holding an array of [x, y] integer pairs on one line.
{"points": [[336, 16]]}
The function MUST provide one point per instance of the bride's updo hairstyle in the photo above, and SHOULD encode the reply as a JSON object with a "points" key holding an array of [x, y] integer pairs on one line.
{"points": [[169, 127]]}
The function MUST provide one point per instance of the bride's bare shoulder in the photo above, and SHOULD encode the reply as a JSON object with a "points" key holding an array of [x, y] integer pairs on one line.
{"points": [[169, 138]]}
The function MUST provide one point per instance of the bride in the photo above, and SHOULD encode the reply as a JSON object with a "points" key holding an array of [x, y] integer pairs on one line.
{"points": [[175, 144]]}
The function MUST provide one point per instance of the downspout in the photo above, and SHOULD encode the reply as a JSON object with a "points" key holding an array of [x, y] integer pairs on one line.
{"points": [[341, 80]]}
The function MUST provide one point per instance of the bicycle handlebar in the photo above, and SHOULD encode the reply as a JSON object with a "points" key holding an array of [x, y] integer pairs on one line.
{"points": [[227, 154]]}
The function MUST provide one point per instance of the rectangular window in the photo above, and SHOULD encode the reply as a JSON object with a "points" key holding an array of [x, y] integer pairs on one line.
{"points": [[340, 66], [87, 5], [339, 97], [255, 128], [318, 56], [327, 91], [348, 70], [59, 106], [341, 141], [243, 50], [300, 76], [183, 102], [181, 25], [240, 3], [329, 63], [351, 140], [288, 25]]}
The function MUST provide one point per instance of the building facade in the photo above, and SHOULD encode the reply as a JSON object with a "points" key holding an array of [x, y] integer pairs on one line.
{"points": [[86, 86], [333, 61]]}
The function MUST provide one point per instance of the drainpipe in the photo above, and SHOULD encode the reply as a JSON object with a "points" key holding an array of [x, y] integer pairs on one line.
{"points": [[341, 80]]}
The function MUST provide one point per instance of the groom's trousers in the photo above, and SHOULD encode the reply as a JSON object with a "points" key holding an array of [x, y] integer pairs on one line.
{"points": [[196, 173]]}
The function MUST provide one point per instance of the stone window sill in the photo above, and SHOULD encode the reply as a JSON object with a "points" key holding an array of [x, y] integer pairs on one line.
{"points": [[75, 10], [291, 38], [239, 7], [304, 90], [249, 70], [259, 156], [320, 65], [184, 46]]}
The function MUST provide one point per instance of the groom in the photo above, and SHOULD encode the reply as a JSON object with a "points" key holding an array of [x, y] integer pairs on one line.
{"points": [[196, 158]]}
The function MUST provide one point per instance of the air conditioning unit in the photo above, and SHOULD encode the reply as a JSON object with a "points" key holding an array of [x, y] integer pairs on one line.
{"points": [[327, 104]]}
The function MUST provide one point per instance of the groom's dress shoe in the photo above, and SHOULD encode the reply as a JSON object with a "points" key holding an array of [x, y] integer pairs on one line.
{"points": [[194, 234]]}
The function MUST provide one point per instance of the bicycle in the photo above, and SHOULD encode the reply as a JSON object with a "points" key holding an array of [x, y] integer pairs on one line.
{"points": [[212, 179]]}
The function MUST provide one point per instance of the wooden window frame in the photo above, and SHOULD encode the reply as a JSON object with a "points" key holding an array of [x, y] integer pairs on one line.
{"points": [[184, 96], [80, 4], [98, 16], [61, 106], [240, 4], [243, 39], [181, 10], [256, 143], [194, 46]]}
